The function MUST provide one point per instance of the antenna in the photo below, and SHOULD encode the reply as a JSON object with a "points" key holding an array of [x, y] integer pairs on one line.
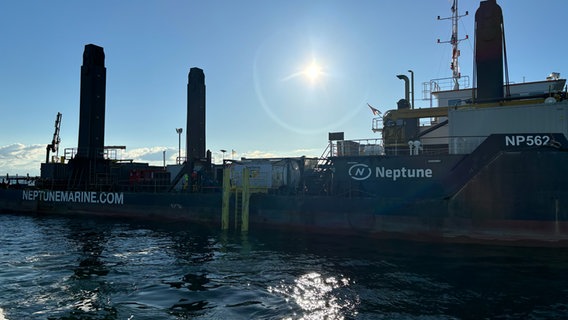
{"points": [[454, 41]]}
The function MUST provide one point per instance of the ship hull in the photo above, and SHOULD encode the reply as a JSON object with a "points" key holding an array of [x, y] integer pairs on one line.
{"points": [[424, 220], [517, 197]]}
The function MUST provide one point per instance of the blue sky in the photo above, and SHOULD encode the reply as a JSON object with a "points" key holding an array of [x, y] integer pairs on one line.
{"points": [[253, 53]]}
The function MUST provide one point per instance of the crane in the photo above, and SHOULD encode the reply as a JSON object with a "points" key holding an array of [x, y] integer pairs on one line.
{"points": [[54, 145]]}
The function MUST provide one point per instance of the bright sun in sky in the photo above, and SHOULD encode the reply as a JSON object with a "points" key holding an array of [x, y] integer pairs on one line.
{"points": [[313, 72]]}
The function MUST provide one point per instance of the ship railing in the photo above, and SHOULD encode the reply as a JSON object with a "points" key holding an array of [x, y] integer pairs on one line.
{"points": [[441, 145], [437, 145], [69, 153], [442, 84], [17, 181], [113, 152], [357, 147], [377, 124], [108, 152]]}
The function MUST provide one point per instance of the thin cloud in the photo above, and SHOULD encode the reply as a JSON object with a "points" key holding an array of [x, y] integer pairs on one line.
{"points": [[23, 159], [20, 159], [151, 155], [273, 154]]}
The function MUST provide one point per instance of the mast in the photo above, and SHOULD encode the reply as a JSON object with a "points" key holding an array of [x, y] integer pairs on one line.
{"points": [[454, 41]]}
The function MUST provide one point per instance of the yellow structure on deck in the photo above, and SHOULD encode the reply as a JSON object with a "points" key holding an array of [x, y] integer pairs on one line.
{"points": [[242, 200]]}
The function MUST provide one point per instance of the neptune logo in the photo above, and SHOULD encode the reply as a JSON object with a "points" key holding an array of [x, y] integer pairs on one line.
{"points": [[360, 171]]}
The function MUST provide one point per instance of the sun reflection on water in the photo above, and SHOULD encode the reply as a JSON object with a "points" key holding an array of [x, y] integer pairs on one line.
{"points": [[319, 297]]}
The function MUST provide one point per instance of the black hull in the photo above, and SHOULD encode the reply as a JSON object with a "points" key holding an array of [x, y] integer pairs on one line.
{"points": [[516, 198], [423, 220]]}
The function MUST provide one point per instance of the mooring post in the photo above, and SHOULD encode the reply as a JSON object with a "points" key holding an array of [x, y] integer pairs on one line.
{"points": [[245, 200], [238, 207], [226, 195]]}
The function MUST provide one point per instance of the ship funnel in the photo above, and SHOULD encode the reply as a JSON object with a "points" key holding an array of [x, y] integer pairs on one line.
{"points": [[406, 86], [489, 44], [195, 130], [92, 104]]}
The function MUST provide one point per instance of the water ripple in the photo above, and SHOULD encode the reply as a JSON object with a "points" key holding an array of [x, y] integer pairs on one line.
{"points": [[61, 268]]}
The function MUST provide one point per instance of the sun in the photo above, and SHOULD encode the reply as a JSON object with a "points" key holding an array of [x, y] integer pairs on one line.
{"points": [[313, 71]]}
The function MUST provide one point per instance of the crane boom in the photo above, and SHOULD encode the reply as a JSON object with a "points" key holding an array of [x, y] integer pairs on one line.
{"points": [[54, 145]]}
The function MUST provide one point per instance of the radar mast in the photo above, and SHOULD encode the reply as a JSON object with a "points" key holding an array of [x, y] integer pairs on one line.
{"points": [[454, 41]]}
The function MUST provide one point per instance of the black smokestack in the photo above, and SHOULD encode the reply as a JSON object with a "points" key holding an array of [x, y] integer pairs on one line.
{"points": [[92, 104], [489, 51], [195, 130]]}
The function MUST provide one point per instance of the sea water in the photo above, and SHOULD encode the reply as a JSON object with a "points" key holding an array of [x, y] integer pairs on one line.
{"points": [[86, 268]]}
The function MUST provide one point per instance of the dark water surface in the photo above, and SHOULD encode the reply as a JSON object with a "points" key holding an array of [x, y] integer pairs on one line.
{"points": [[83, 268]]}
